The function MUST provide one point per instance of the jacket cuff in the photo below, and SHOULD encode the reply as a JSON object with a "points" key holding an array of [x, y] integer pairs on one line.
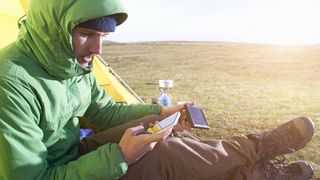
{"points": [[117, 159]]}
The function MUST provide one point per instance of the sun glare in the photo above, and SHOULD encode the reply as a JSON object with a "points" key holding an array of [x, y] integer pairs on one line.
{"points": [[288, 22]]}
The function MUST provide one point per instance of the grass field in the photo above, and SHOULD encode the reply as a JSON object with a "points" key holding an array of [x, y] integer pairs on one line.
{"points": [[243, 88]]}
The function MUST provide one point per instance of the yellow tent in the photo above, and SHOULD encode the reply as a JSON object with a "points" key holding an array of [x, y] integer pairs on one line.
{"points": [[12, 10]]}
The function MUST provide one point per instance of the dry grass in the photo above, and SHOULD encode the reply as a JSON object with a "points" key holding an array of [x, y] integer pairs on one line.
{"points": [[243, 88]]}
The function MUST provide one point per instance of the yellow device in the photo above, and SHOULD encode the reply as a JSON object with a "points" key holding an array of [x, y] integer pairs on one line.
{"points": [[168, 122]]}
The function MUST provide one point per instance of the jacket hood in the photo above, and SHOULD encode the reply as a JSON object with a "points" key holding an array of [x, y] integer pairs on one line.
{"points": [[46, 32]]}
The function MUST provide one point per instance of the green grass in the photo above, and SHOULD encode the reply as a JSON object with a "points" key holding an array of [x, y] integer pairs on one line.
{"points": [[243, 88]]}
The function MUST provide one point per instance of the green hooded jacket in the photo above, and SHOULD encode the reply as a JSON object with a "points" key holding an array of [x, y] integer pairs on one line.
{"points": [[43, 91]]}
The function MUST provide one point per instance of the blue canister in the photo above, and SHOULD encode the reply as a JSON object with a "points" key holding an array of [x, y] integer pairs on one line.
{"points": [[164, 99]]}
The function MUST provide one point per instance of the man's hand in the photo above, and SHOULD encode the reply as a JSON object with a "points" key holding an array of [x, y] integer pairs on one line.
{"points": [[167, 111], [134, 143], [183, 123]]}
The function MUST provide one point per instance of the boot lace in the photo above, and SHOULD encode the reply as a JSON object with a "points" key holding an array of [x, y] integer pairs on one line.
{"points": [[276, 166]]}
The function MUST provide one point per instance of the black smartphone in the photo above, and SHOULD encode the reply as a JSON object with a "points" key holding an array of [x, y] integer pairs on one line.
{"points": [[196, 117]]}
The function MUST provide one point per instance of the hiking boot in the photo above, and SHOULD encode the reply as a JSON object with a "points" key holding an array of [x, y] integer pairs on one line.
{"points": [[287, 138], [278, 170]]}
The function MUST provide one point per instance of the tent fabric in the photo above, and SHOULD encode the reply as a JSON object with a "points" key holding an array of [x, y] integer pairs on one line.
{"points": [[10, 12]]}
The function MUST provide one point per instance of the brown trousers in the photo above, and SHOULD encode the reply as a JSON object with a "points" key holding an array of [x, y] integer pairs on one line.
{"points": [[184, 156]]}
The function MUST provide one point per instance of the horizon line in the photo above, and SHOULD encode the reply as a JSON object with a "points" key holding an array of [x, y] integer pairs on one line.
{"points": [[211, 41]]}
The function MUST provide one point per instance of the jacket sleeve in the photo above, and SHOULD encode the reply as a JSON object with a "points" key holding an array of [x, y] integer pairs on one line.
{"points": [[106, 113], [23, 154]]}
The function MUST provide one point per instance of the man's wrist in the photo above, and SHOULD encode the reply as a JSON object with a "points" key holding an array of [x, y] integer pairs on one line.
{"points": [[158, 109]]}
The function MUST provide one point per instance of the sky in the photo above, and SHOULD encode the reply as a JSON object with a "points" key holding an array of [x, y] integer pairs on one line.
{"points": [[287, 22]]}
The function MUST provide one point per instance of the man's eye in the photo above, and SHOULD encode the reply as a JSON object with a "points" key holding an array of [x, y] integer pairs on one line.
{"points": [[85, 34]]}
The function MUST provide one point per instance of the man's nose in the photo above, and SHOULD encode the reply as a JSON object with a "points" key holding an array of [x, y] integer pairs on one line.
{"points": [[96, 45]]}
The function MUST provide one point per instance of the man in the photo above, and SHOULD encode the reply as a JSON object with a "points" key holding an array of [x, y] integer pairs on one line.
{"points": [[46, 84]]}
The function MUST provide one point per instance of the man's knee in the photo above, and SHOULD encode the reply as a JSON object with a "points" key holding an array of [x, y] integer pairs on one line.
{"points": [[162, 146], [169, 145]]}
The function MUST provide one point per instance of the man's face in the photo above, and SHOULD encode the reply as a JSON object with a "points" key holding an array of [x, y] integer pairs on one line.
{"points": [[86, 43]]}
